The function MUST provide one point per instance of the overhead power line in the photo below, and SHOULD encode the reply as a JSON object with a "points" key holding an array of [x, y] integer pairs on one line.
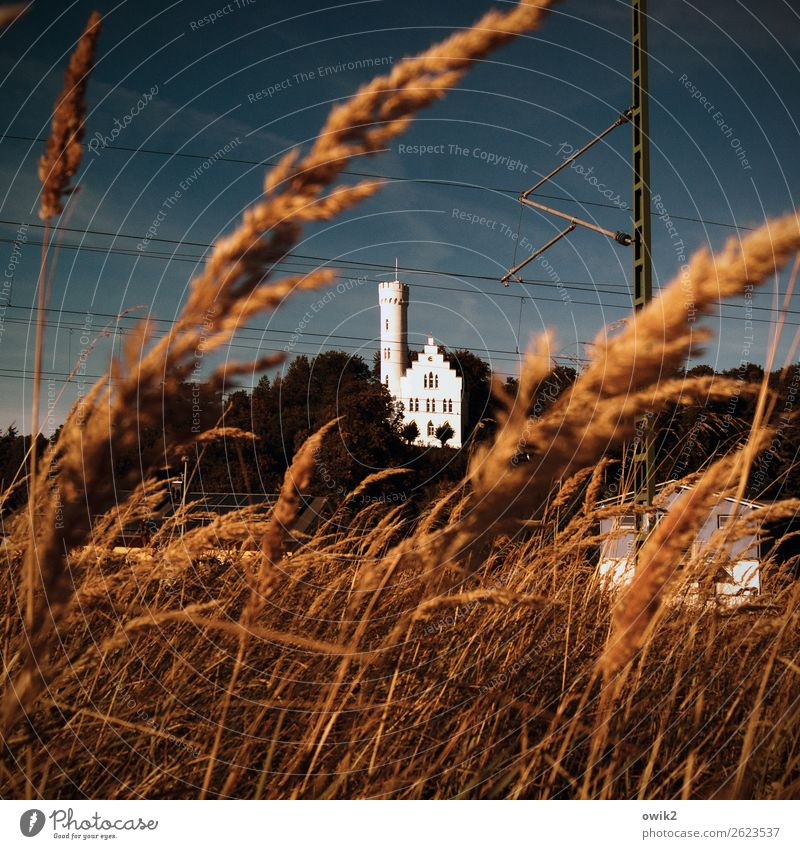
{"points": [[371, 344], [459, 184], [305, 262], [351, 264]]}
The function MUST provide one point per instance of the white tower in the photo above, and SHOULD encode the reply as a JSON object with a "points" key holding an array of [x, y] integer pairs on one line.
{"points": [[393, 298]]}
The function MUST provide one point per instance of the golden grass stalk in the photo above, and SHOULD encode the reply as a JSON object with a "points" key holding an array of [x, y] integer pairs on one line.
{"points": [[287, 507], [502, 598], [659, 560], [283, 516], [623, 381], [762, 412], [56, 167], [230, 290], [59, 163], [10, 12], [63, 153], [749, 263], [225, 433]]}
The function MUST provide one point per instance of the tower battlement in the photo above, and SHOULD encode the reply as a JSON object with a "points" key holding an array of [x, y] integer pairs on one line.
{"points": [[392, 292]]}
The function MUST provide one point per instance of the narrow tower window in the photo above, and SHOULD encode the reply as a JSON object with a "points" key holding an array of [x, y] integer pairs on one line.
{"points": [[387, 323]]}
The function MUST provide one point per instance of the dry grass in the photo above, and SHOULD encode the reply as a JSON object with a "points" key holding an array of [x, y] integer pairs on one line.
{"points": [[487, 691], [465, 652]]}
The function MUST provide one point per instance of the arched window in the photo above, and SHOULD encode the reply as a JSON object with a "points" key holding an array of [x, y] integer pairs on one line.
{"points": [[387, 380], [417, 406], [425, 381], [431, 429], [427, 405], [430, 380], [433, 405], [437, 381], [387, 323], [450, 406]]}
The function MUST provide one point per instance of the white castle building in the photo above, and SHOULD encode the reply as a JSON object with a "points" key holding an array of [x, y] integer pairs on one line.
{"points": [[430, 390]]}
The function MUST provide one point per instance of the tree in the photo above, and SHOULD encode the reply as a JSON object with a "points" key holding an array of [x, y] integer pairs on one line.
{"points": [[409, 432], [365, 439], [12, 453], [477, 376], [444, 433]]}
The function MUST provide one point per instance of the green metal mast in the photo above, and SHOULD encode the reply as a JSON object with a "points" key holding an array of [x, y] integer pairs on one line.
{"points": [[643, 457]]}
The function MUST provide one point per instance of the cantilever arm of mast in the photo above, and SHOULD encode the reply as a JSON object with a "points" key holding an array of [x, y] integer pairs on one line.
{"points": [[616, 235], [504, 280], [623, 119], [524, 198]]}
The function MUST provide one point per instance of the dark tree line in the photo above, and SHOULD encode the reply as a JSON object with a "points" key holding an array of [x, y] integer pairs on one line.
{"points": [[691, 436], [284, 410]]}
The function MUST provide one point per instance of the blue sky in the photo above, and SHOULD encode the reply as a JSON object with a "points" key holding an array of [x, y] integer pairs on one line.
{"points": [[250, 83]]}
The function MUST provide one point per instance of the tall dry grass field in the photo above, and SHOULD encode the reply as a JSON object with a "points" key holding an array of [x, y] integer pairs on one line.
{"points": [[465, 650]]}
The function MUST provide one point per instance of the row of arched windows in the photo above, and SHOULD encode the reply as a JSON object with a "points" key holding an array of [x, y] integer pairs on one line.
{"points": [[430, 405], [431, 381]]}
